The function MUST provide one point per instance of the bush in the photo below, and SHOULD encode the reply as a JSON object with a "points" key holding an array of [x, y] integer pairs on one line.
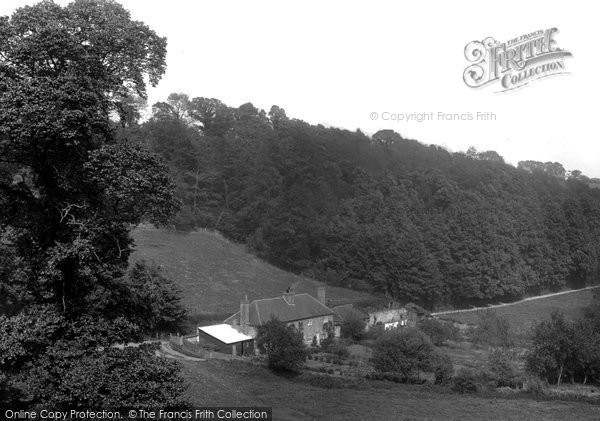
{"points": [[438, 331], [353, 327], [402, 351], [373, 333], [465, 381], [535, 386], [339, 350], [441, 367], [283, 345], [327, 342], [492, 330], [501, 363]]}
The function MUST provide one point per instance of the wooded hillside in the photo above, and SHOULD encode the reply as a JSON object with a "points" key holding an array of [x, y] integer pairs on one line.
{"points": [[383, 213]]}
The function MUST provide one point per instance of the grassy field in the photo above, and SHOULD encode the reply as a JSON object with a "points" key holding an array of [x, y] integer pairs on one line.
{"points": [[215, 274], [216, 383], [524, 314]]}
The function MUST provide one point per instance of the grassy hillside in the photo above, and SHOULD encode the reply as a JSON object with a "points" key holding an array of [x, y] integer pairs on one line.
{"points": [[215, 274], [526, 313], [232, 383]]}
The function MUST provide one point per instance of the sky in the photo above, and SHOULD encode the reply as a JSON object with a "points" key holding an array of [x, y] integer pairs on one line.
{"points": [[338, 63]]}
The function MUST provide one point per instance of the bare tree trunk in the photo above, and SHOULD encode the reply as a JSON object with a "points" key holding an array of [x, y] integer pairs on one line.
{"points": [[560, 373], [226, 195]]}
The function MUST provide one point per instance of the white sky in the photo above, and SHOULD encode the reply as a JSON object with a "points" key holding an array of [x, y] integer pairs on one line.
{"points": [[334, 63]]}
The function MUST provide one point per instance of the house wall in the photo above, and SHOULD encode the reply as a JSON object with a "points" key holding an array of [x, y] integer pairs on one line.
{"points": [[392, 317], [313, 327]]}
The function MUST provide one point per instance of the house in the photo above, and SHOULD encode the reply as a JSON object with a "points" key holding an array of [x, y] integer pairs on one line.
{"points": [[390, 316], [308, 314]]}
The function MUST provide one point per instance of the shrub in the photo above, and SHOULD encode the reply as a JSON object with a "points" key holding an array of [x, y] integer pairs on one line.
{"points": [[373, 333], [492, 330], [441, 367], [339, 350], [465, 381], [501, 363], [402, 351], [353, 327], [283, 345], [327, 342], [438, 331], [535, 385]]}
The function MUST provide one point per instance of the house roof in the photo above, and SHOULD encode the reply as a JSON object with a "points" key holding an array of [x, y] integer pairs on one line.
{"points": [[347, 311], [225, 333], [304, 306]]}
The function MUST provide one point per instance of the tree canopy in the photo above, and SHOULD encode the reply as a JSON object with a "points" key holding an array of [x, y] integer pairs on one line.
{"points": [[381, 213], [283, 345], [70, 190]]}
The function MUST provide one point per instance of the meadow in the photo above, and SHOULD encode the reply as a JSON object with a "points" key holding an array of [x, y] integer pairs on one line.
{"points": [[216, 383], [214, 274], [523, 315]]}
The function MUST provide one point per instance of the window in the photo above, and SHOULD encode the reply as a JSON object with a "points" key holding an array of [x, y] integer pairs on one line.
{"points": [[309, 323]]}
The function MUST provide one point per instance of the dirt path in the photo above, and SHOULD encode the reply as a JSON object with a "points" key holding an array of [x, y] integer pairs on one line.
{"points": [[168, 352], [538, 297], [164, 351]]}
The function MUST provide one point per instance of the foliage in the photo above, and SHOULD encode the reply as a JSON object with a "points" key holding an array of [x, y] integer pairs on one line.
{"points": [[551, 348], [283, 345], [70, 191], [403, 351], [438, 331], [337, 348], [502, 365], [441, 366], [154, 300], [592, 312], [465, 381], [129, 377], [492, 330], [353, 327], [563, 348], [382, 213]]}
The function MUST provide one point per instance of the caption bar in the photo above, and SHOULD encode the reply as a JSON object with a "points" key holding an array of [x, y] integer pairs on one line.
{"points": [[204, 413]]}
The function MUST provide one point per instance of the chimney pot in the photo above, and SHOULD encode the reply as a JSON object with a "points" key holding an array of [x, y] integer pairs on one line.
{"points": [[288, 296]]}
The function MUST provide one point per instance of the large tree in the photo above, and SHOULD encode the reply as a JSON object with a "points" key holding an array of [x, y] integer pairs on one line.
{"points": [[69, 191]]}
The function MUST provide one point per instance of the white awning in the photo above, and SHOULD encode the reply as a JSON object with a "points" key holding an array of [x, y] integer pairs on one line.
{"points": [[225, 333]]}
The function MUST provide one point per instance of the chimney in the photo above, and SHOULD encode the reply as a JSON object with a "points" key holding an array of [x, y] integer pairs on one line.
{"points": [[288, 296], [321, 296], [244, 314]]}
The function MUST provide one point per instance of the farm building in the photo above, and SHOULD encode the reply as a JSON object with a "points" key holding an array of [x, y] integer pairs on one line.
{"points": [[224, 338], [308, 314], [390, 316]]}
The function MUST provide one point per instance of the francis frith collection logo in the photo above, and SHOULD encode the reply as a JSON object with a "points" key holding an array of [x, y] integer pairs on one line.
{"points": [[514, 63]]}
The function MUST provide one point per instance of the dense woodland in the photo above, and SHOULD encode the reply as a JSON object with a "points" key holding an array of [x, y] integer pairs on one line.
{"points": [[379, 213], [70, 191]]}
